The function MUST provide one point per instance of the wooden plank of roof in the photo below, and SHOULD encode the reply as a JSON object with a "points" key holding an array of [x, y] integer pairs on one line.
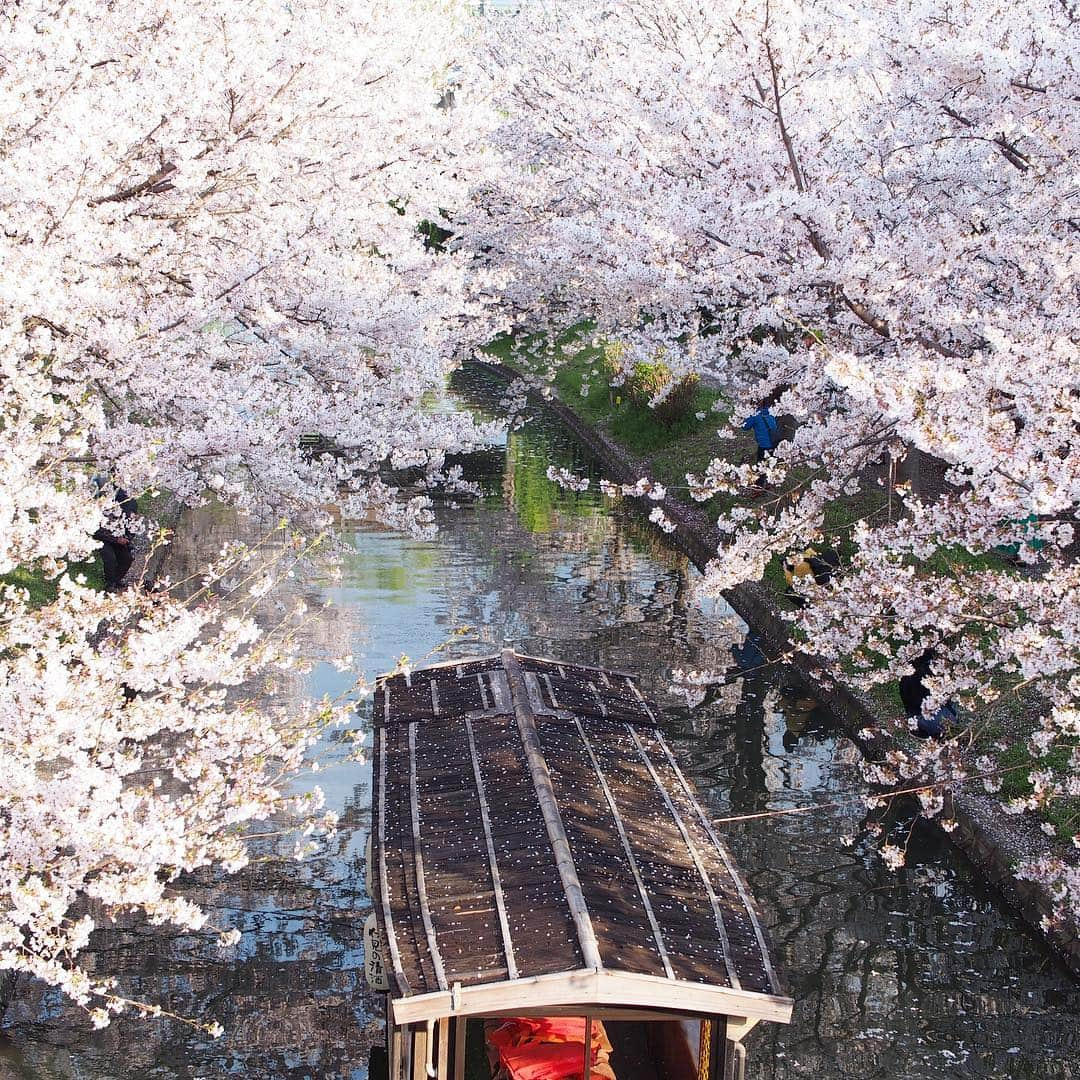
{"points": [[493, 864], [536, 906], [658, 937], [539, 663], [624, 935], [461, 895], [400, 848], [743, 937], [472, 663], [589, 988], [384, 880], [500, 690], [421, 887], [732, 869], [545, 795], [599, 699], [644, 703], [483, 689], [733, 974], [397, 851]]}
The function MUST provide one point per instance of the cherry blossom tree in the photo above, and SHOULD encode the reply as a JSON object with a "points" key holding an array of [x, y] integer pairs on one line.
{"points": [[213, 214], [865, 211], [215, 281]]}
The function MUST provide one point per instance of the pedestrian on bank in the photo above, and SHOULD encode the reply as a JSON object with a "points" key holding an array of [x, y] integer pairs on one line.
{"points": [[913, 693], [115, 535], [763, 424]]}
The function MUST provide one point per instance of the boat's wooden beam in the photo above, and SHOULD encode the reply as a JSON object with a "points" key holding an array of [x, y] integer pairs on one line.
{"points": [[442, 1069], [384, 880], [575, 666], [586, 1071], [549, 808], [620, 827], [419, 1053], [594, 990], [460, 1035], [729, 864], [602, 1014], [493, 865], [738, 1027], [421, 886], [395, 1037]]}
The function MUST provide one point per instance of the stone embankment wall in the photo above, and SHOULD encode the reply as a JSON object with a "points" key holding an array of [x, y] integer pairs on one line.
{"points": [[991, 840]]}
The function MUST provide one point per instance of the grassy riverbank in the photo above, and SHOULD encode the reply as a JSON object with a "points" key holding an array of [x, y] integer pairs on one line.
{"points": [[156, 507], [667, 453]]}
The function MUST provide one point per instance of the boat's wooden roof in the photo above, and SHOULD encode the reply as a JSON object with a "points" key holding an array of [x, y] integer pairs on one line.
{"points": [[536, 844]]}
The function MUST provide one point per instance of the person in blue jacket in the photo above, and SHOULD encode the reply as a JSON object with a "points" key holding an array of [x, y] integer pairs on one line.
{"points": [[763, 424]]}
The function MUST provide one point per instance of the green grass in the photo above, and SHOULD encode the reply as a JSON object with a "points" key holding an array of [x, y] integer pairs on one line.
{"points": [[1063, 814], [670, 451], [955, 560], [577, 361], [43, 589]]}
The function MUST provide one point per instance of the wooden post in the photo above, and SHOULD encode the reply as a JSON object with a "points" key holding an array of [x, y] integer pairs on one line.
{"points": [[393, 1047], [441, 1069], [587, 1068], [460, 1036], [719, 1059], [419, 1052]]}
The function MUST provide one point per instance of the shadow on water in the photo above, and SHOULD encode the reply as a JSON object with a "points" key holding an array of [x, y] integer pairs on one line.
{"points": [[919, 973]]}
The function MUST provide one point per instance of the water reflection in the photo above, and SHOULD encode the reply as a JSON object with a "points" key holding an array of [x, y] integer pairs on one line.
{"points": [[916, 974]]}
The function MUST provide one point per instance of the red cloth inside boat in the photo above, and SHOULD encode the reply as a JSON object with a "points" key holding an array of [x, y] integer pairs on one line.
{"points": [[547, 1029], [548, 1048]]}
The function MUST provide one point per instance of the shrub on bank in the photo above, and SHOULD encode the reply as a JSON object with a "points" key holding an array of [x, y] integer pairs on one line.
{"points": [[648, 380]]}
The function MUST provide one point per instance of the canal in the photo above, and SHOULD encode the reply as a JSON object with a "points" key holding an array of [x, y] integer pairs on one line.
{"points": [[920, 973]]}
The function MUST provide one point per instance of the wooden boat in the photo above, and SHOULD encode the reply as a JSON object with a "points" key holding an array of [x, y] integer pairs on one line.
{"points": [[538, 853]]}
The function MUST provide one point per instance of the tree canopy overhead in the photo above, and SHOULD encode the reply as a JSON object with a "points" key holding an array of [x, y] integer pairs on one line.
{"points": [[212, 252]]}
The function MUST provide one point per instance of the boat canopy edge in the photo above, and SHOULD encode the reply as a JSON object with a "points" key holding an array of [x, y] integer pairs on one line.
{"points": [[589, 989]]}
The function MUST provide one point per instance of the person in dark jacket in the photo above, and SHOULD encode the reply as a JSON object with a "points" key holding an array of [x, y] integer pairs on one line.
{"points": [[763, 424], [115, 536], [913, 693]]}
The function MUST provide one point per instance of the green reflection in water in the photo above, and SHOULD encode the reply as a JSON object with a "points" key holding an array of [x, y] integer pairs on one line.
{"points": [[541, 504]]}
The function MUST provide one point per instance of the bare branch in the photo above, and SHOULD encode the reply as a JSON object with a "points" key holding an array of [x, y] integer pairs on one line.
{"points": [[152, 185]]}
